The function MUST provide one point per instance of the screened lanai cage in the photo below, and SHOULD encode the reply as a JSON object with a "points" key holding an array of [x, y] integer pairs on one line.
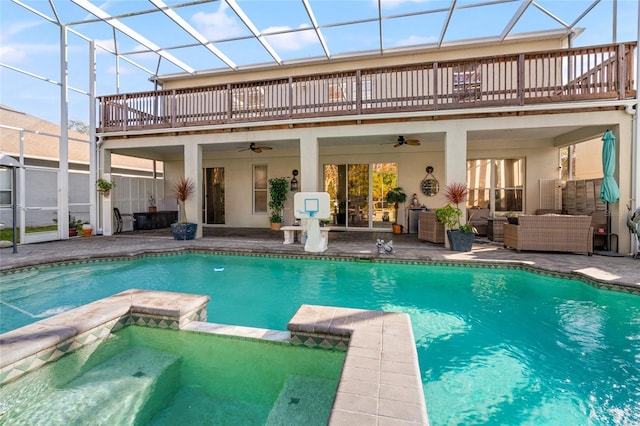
{"points": [[59, 55]]}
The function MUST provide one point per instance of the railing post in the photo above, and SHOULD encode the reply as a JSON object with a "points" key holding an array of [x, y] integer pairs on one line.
{"points": [[621, 72], [229, 102], [436, 98], [520, 92], [125, 112], [358, 92], [290, 96], [174, 105]]}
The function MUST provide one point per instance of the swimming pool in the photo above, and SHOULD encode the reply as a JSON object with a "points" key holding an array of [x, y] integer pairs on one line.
{"points": [[495, 345], [152, 376]]}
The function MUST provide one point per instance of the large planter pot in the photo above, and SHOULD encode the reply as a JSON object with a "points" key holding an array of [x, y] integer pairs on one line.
{"points": [[184, 231], [87, 230], [275, 226], [460, 241], [396, 228]]}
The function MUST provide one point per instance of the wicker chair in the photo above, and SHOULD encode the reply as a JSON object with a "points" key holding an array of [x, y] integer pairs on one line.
{"points": [[429, 229], [560, 233]]}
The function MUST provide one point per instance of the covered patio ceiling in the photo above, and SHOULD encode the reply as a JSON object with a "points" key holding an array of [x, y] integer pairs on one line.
{"points": [[560, 135]]}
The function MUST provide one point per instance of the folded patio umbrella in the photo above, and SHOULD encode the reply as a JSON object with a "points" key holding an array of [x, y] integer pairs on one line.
{"points": [[609, 191]]}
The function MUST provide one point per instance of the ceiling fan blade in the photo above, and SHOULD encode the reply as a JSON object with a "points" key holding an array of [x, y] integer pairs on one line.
{"points": [[266, 148], [257, 149], [395, 145], [414, 142]]}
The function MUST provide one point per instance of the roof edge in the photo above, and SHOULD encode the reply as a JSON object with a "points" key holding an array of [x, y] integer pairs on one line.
{"points": [[562, 35]]}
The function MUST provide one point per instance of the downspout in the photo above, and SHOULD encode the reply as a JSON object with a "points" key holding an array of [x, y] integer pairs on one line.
{"points": [[635, 130], [98, 228]]}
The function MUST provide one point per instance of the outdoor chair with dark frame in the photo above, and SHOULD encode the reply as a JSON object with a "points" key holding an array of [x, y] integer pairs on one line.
{"points": [[121, 219]]}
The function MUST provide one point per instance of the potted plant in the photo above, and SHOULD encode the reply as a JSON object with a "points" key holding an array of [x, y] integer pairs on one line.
{"points": [[396, 196], [104, 186], [183, 230], [87, 229], [460, 236], [278, 188], [152, 203], [74, 225]]}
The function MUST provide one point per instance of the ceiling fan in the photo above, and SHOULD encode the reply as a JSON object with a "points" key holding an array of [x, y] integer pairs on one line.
{"points": [[256, 148], [402, 141]]}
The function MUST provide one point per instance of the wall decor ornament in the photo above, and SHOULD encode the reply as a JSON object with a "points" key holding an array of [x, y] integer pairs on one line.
{"points": [[429, 185]]}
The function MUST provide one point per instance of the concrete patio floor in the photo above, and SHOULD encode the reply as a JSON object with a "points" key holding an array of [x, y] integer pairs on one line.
{"points": [[609, 271]]}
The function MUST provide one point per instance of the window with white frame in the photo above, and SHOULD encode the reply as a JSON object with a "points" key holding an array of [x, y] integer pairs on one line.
{"points": [[496, 184], [260, 189]]}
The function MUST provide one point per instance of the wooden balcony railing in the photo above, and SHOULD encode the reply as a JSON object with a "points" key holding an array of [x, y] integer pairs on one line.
{"points": [[597, 72]]}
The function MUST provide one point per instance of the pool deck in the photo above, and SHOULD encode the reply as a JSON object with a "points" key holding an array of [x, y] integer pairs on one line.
{"points": [[620, 272]]}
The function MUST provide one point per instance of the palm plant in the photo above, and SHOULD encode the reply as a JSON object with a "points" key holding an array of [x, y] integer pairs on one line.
{"points": [[455, 193], [396, 196], [182, 189]]}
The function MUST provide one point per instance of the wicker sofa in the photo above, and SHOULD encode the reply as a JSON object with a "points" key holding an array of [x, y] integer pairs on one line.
{"points": [[551, 232]]}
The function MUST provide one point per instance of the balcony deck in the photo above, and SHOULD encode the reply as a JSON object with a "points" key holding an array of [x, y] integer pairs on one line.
{"points": [[603, 72]]}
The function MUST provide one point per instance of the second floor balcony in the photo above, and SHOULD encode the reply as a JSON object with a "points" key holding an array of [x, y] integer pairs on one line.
{"points": [[554, 76]]}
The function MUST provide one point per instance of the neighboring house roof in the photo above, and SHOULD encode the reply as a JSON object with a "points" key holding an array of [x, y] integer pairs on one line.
{"points": [[41, 140]]}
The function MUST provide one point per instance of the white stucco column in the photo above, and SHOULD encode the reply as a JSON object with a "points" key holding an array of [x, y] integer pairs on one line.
{"points": [[105, 204], [193, 171], [455, 156], [309, 164], [455, 163]]}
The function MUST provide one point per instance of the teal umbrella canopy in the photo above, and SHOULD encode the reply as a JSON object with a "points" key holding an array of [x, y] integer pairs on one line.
{"points": [[609, 191]]}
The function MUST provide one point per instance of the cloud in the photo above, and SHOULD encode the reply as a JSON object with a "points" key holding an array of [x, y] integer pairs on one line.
{"points": [[143, 55], [17, 27], [12, 55], [107, 43], [20, 53], [218, 25], [15, 53], [122, 70], [290, 41], [416, 40]]}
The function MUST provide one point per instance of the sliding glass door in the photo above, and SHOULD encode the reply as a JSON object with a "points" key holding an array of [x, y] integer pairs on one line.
{"points": [[214, 196], [357, 194]]}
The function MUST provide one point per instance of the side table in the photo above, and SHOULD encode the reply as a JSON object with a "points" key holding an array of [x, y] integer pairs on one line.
{"points": [[495, 228]]}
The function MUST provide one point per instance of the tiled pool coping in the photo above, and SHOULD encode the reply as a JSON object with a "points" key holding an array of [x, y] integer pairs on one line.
{"points": [[588, 275], [380, 381]]}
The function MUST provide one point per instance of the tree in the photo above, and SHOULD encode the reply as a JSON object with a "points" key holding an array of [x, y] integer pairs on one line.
{"points": [[78, 126]]}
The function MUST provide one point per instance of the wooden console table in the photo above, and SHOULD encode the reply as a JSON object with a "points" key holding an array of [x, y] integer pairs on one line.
{"points": [[154, 220]]}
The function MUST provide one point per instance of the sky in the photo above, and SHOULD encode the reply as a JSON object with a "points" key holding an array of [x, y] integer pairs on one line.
{"points": [[29, 42]]}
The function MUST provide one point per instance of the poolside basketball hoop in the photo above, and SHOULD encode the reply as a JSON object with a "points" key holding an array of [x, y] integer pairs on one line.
{"points": [[311, 208]]}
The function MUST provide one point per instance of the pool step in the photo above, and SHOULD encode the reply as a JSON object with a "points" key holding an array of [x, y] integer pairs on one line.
{"points": [[303, 401], [115, 392]]}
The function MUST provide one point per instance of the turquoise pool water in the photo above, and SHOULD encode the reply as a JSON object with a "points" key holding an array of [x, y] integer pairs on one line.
{"points": [[144, 376], [495, 346]]}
